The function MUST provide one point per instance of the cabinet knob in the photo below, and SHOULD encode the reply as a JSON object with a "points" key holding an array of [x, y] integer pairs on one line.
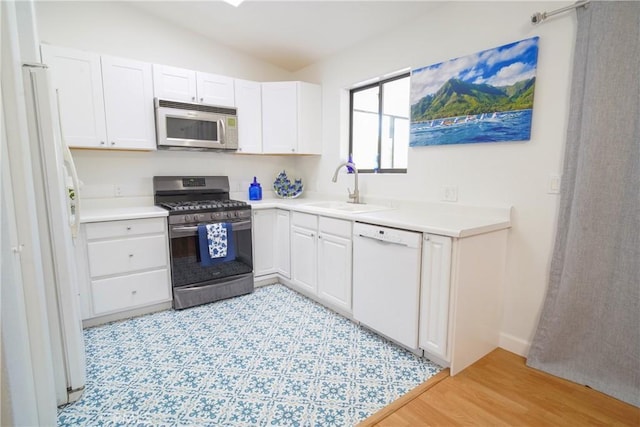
{"points": [[293, 150], [113, 143], [130, 255], [193, 98], [201, 99], [102, 142], [134, 292], [128, 228]]}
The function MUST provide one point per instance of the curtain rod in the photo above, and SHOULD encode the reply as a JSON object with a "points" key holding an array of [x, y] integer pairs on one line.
{"points": [[538, 17]]}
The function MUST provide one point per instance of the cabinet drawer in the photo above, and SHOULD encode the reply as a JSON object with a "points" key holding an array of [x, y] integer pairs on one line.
{"points": [[101, 230], [337, 227], [125, 255], [125, 292], [304, 220]]}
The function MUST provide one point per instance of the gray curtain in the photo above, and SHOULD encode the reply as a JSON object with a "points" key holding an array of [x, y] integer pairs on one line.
{"points": [[589, 330]]}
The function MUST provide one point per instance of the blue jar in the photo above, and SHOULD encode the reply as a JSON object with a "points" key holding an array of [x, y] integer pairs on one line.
{"points": [[255, 190]]}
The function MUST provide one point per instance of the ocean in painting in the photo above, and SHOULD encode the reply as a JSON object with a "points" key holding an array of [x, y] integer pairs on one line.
{"points": [[488, 127]]}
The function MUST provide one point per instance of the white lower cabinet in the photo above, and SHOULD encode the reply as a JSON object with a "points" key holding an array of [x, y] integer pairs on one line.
{"points": [[321, 258], [264, 238], [283, 243], [462, 287], [434, 298], [304, 252], [335, 262], [127, 266], [271, 242]]}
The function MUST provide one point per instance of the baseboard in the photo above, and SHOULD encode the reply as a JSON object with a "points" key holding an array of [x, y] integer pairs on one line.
{"points": [[514, 344]]}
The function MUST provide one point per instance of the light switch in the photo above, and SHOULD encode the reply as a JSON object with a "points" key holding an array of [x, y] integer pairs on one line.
{"points": [[554, 184]]}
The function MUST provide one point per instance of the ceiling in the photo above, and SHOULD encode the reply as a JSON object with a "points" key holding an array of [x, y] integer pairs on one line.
{"points": [[289, 34]]}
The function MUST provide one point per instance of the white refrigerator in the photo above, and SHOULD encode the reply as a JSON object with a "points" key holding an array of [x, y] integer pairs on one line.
{"points": [[57, 204]]}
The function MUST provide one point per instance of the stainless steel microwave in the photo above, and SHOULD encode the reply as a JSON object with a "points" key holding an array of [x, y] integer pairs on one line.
{"points": [[184, 126]]}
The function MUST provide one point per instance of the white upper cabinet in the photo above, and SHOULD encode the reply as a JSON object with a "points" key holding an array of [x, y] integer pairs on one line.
{"points": [[128, 101], [249, 105], [105, 102], [173, 83], [291, 118], [76, 77], [180, 84], [215, 90]]}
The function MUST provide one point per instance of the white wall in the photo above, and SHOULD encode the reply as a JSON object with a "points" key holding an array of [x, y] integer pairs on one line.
{"points": [[514, 174], [115, 28]]}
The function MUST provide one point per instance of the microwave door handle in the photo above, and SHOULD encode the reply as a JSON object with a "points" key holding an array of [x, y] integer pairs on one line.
{"points": [[223, 136]]}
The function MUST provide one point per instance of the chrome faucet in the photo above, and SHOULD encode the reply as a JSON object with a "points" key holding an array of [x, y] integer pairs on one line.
{"points": [[355, 196]]}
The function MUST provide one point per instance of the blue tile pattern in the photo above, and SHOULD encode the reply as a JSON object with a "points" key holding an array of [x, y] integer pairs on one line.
{"points": [[271, 358]]}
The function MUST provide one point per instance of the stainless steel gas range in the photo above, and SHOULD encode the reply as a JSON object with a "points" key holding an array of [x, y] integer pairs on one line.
{"points": [[195, 202]]}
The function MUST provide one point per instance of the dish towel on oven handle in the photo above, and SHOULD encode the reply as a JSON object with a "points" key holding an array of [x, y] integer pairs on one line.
{"points": [[216, 235]]}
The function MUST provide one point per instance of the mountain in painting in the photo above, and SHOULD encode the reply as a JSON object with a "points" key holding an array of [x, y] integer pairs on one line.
{"points": [[458, 98]]}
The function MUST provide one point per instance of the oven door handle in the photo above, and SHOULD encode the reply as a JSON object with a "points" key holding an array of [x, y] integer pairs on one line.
{"points": [[185, 228], [236, 226]]}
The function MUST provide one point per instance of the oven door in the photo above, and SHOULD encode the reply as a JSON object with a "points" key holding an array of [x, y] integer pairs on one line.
{"points": [[187, 268]]}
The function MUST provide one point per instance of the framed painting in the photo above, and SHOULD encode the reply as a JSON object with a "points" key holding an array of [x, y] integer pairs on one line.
{"points": [[485, 97]]}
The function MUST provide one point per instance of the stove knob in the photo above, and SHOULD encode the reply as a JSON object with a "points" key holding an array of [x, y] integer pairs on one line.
{"points": [[213, 215], [187, 218]]}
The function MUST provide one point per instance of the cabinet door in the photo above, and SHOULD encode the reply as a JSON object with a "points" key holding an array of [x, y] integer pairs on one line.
{"points": [[128, 100], [77, 79], [117, 256], [249, 105], [173, 83], [126, 292], [215, 90], [264, 235], [334, 270], [304, 258], [283, 242], [279, 117], [309, 122], [434, 300]]}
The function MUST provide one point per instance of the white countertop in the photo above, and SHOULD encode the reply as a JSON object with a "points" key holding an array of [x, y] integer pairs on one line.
{"points": [[437, 218], [97, 214]]}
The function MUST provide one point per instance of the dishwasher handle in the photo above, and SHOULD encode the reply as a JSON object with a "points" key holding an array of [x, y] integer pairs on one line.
{"points": [[389, 242]]}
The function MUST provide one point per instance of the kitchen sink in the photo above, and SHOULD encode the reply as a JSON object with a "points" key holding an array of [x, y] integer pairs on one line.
{"points": [[347, 207]]}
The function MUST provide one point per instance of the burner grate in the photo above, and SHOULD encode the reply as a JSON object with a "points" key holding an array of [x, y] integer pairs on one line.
{"points": [[202, 205]]}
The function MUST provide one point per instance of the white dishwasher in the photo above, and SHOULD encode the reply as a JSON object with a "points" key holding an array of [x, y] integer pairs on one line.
{"points": [[386, 281]]}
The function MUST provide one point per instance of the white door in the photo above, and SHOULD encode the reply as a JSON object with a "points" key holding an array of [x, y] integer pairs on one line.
{"points": [[264, 236], [128, 98], [249, 104], [304, 259], [334, 270], [215, 90], [173, 83], [434, 295], [283, 242], [279, 117], [77, 78]]}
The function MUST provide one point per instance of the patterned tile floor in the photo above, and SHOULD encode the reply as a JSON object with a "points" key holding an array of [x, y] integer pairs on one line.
{"points": [[271, 358]]}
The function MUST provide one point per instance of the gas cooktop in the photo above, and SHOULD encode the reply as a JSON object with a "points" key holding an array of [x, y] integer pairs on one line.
{"points": [[204, 205]]}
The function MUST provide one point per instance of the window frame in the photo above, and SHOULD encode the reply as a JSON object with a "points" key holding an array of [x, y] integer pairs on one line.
{"points": [[378, 84]]}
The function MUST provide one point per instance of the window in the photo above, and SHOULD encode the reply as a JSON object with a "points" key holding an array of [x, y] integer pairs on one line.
{"points": [[379, 132]]}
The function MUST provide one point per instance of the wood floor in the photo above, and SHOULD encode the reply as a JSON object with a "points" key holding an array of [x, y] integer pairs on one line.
{"points": [[501, 390]]}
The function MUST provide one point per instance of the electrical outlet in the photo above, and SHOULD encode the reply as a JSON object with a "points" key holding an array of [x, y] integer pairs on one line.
{"points": [[450, 193], [117, 191], [554, 184]]}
